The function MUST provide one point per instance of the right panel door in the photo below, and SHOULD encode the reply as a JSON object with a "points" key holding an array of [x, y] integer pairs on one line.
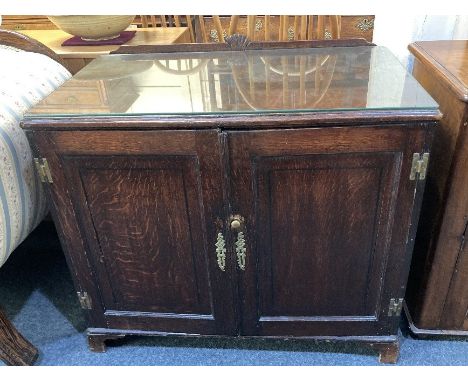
{"points": [[326, 220]]}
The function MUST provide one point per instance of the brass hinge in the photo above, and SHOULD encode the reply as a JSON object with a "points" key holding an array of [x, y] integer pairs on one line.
{"points": [[42, 167], [85, 300], [419, 166], [395, 306]]}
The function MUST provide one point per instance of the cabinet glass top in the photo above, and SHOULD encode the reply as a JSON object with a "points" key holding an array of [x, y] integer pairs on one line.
{"points": [[251, 81]]}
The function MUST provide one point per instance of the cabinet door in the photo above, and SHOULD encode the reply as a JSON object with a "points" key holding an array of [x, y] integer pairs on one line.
{"points": [[148, 208], [327, 216]]}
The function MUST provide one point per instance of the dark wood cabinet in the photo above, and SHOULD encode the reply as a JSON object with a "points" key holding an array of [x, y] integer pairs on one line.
{"points": [[267, 223], [437, 298]]}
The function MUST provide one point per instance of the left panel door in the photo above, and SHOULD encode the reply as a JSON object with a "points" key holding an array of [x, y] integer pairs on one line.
{"points": [[149, 209]]}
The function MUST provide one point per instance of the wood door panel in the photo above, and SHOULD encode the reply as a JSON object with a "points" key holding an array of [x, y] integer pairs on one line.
{"points": [[328, 223], [321, 263], [147, 223], [148, 207]]}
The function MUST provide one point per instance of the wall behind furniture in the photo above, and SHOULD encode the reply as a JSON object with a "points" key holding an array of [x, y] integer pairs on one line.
{"points": [[396, 34]]}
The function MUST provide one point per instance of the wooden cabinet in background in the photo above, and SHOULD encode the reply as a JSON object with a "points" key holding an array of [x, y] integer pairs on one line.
{"points": [[437, 298], [351, 27], [26, 22], [77, 57]]}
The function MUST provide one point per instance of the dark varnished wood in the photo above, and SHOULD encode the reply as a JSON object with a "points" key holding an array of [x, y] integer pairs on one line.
{"points": [[97, 342], [150, 205], [388, 352], [20, 41], [321, 210], [388, 148], [233, 121], [253, 45], [15, 350], [327, 206], [437, 296], [387, 347]]}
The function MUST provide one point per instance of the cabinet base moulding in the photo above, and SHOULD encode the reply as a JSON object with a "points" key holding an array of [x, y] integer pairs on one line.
{"points": [[387, 347]]}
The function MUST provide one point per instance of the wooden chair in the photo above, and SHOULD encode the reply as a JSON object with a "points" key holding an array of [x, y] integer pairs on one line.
{"points": [[290, 27], [163, 21], [313, 76], [283, 28]]}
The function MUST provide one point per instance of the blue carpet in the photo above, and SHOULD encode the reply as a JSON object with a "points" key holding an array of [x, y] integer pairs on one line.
{"points": [[36, 292]]}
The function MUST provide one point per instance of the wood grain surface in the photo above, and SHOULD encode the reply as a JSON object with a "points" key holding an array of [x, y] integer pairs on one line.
{"points": [[437, 298], [15, 350], [323, 209]]}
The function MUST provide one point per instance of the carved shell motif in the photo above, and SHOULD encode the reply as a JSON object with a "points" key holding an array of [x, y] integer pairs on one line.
{"points": [[237, 41]]}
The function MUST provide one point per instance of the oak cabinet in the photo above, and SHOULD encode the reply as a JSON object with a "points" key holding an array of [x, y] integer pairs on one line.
{"points": [[437, 298], [267, 223]]}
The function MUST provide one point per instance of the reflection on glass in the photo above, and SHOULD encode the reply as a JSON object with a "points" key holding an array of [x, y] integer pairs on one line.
{"points": [[253, 81]]}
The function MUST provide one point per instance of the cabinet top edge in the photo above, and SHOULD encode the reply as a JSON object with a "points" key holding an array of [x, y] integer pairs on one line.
{"points": [[232, 121]]}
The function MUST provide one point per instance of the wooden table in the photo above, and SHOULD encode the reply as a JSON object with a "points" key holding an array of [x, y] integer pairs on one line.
{"points": [[437, 298], [76, 57]]}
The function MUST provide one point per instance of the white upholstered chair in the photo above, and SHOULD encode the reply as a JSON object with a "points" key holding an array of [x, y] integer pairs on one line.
{"points": [[29, 72]]}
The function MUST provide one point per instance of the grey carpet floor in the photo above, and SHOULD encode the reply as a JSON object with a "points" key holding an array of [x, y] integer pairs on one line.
{"points": [[36, 292]]}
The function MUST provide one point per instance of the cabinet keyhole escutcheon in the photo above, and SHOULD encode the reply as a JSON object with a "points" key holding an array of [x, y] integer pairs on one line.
{"points": [[221, 251], [237, 224]]}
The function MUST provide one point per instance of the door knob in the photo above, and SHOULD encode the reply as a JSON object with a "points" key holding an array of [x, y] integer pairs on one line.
{"points": [[235, 224]]}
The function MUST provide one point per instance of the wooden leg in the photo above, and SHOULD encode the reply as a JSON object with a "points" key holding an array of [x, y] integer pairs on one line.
{"points": [[15, 350], [388, 352], [96, 342]]}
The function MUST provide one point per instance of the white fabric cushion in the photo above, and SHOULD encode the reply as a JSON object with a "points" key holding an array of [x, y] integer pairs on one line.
{"points": [[25, 79]]}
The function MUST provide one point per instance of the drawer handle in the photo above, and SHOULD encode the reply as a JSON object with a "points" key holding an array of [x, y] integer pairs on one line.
{"points": [[237, 224], [221, 252]]}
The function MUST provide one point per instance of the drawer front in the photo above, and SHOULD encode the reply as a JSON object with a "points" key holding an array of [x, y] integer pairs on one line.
{"points": [[148, 208]]}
